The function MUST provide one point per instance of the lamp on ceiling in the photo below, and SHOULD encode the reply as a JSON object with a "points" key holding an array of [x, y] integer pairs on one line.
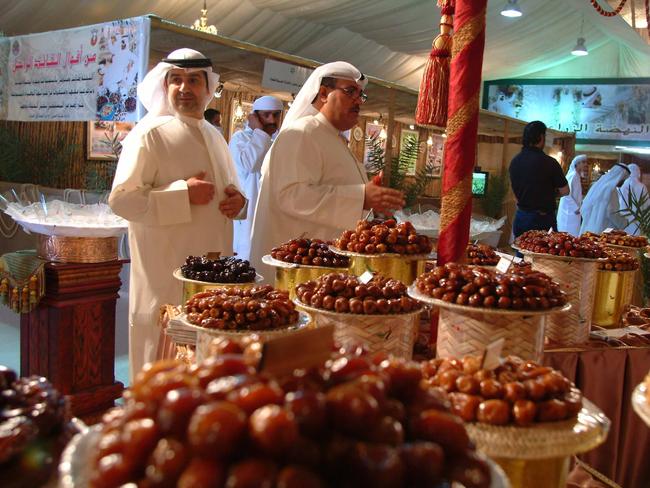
{"points": [[201, 23], [511, 9], [580, 48]]}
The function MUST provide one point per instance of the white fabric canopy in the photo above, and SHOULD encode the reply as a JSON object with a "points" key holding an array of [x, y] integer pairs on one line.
{"points": [[382, 38]]}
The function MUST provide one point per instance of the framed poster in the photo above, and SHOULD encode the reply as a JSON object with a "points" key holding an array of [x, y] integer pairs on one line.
{"points": [[238, 118], [435, 154], [409, 136], [100, 137], [598, 110]]}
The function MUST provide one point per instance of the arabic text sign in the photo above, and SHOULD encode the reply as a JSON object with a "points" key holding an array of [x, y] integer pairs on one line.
{"points": [[84, 73], [284, 76], [605, 110]]}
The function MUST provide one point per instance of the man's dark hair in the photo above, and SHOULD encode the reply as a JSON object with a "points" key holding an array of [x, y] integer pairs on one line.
{"points": [[326, 81], [210, 113], [533, 133]]}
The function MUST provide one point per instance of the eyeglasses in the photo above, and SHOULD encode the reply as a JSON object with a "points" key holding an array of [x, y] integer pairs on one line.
{"points": [[351, 92]]}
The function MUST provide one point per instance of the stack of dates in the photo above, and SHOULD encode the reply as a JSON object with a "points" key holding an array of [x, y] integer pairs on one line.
{"points": [[520, 288], [559, 244], [482, 255], [384, 237], [309, 252], [618, 261]]}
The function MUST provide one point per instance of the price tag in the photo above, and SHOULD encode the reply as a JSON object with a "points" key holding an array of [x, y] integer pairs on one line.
{"points": [[476, 242], [517, 260], [213, 256], [550, 230], [608, 230], [492, 354], [503, 264], [366, 277]]}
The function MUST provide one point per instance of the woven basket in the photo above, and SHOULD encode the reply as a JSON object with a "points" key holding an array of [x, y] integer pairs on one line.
{"points": [[288, 276], [462, 333], [77, 249], [393, 334], [577, 277]]}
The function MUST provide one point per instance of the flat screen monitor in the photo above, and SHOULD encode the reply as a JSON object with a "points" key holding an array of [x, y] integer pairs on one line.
{"points": [[479, 183]]}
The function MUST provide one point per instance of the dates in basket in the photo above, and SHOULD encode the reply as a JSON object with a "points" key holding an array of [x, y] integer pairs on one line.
{"points": [[222, 270], [312, 252], [559, 244], [379, 237]]}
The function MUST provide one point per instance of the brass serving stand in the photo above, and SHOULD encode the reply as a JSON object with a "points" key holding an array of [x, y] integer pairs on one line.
{"points": [[538, 456], [289, 275], [64, 249], [192, 287], [403, 267], [614, 291]]}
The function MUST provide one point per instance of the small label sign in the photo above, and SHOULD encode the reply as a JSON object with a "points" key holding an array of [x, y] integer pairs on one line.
{"points": [[550, 230], [213, 256], [366, 277], [492, 354], [503, 264], [608, 230]]}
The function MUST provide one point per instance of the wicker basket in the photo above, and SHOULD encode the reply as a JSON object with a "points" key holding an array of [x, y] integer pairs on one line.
{"points": [[288, 275], [538, 456], [577, 277], [192, 287], [77, 249], [394, 334], [614, 290], [464, 330]]}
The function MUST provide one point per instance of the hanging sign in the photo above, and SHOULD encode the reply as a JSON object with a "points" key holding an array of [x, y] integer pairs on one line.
{"points": [[284, 77], [85, 73]]}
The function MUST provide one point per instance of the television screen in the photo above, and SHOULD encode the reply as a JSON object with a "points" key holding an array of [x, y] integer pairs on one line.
{"points": [[479, 183]]}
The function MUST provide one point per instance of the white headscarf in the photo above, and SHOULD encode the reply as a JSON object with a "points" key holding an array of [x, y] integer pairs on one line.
{"points": [[302, 106], [595, 205], [633, 184], [572, 167], [268, 102]]}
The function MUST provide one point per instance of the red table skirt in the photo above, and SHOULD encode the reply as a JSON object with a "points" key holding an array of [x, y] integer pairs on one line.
{"points": [[607, 378]]}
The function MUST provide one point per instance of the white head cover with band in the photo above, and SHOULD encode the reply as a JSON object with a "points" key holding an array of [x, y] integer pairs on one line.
{"points": [[152, 93], [572, 167], [302, 106], [268, 102]]}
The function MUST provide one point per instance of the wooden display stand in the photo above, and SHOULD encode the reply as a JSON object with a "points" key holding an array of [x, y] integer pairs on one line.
{"points": [[70, 337]]}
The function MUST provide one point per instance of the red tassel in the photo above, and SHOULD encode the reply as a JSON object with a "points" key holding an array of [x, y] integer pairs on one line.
{"points": [[431, 109]]}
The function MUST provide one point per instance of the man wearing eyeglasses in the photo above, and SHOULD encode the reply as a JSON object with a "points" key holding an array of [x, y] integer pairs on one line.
{"points": [[248, 148], [311, 184]]}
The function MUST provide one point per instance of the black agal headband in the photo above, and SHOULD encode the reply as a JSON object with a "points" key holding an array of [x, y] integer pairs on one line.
{"points": [[189, 63]]}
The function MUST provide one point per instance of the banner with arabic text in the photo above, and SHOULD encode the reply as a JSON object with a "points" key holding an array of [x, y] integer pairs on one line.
{"points": [[599, 111], [84, 73]]}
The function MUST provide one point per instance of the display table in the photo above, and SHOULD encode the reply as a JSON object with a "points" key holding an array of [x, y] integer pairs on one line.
{"points": [[70, 337], [607, 376]]}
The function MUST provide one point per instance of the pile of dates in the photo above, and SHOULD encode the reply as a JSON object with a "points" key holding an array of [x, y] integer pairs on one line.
{"points": [[34, 428], [356, 421], [309, 252], [618, 238], [482, 255], [379, 237], [344, 293], [257, 308], [516, 392], [520, 288], [222, 270], [559, 244], [618, 261]]}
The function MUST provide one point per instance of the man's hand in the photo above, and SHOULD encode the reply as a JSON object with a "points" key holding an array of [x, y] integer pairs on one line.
{"points": [[201, 192], [383, 200], [233, 203], [254, 121]]}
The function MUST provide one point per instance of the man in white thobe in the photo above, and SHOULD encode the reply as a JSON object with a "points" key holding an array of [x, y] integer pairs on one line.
{"points": [[600, 208], [248, 148], [311, 183], [176, 185], [568, 212], [630, 194]]}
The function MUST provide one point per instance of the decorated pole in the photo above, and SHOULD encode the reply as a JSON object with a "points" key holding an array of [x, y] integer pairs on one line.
{"points": [[462, 126]]}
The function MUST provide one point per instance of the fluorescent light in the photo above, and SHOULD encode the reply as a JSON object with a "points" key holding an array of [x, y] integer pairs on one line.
{"points": [[637, 150], [511, 9], [580, 49]]}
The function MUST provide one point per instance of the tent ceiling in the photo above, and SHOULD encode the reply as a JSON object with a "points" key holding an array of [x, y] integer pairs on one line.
{"points": [[385, 38]]}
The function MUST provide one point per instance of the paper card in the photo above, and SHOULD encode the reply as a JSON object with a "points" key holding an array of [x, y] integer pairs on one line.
{"points": [[492, 354], [503, 264], [301, 349], [608, 230], [366, 277], [213, 256], [517, 259], [550, 230]]}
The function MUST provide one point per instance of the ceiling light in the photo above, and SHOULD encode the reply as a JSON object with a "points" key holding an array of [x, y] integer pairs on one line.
{"points": [[201, 23], [429, 141], [412, 127], [511, 9], [580, 49]]}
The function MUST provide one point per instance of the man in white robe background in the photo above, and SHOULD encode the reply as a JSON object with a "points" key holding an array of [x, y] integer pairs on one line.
{"points": [[177, 186], [568, 212], [248, 148], [631, 192], [311, 183]]}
